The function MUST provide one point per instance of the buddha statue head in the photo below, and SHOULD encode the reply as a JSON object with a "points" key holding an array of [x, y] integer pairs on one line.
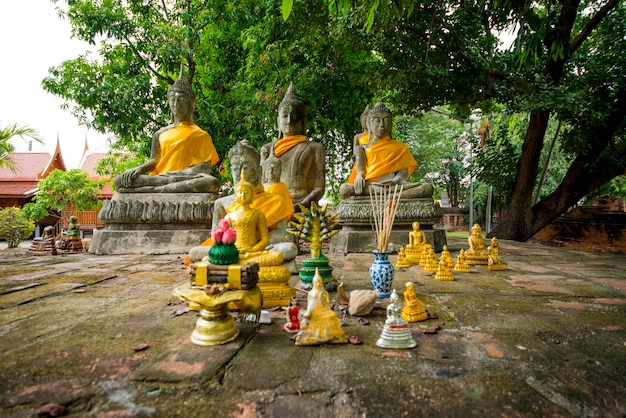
{"points": [[291, 114], [243, 156], [379, 121], [182, 98], [272, 168], [244, 190]]}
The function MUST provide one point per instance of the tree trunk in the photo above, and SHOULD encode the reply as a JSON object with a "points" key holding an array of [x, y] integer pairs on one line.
{"points": [[519, 214], [587, 172]]}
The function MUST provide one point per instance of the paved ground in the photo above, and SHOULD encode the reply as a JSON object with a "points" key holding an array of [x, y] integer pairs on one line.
{"points": [[545, 338]]}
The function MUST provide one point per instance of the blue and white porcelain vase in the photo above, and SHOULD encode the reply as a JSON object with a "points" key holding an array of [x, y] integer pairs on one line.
{"points": [[381, 274]]}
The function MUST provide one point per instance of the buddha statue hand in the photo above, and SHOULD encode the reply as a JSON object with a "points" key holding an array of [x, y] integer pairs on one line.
{"points": [[359, 185]]}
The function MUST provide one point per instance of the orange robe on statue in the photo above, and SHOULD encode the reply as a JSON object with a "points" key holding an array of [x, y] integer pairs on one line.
{"points": [[385, 156], [285, 144], [183, 146], [280, 189]]}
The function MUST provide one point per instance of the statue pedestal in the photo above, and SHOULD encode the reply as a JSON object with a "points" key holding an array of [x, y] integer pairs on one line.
{"points": [[357, 235], [153, 223]]}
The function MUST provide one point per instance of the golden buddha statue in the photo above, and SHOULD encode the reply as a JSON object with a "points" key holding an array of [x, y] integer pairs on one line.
{"points": [[476, 254], [443, 271], [182, 153], [251, 227], [417, 240], [461, 265], [447, 257], [253, 241], [413, 309], [319, 324], [402, 262], [494, 262], [432, 263], [424, 255]]}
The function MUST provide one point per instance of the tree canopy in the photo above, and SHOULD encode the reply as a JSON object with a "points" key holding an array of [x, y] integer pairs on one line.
{"points": [[565, 64]]}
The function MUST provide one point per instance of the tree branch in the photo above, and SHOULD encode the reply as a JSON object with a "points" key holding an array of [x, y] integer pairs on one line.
{"points": [[592, 24], [169, 80]]}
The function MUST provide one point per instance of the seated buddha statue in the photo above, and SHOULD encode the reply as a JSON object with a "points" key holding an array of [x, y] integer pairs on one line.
{"points": [[319, 324], [413, 309], [251, 227], [44, 244], [494, 262], [382, 161], [476, 254], [272, 170], [182, 153], [417, 240], [303, 161], [243, 156]]}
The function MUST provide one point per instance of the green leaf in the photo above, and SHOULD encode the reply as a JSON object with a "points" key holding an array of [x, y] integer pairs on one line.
{"points": [[287, 6]]}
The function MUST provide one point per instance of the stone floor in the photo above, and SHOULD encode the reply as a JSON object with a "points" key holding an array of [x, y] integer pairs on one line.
{"points": [[545, 338]]}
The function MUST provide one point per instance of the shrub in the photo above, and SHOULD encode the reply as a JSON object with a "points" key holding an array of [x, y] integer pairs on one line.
{"points": [[14, 227]]}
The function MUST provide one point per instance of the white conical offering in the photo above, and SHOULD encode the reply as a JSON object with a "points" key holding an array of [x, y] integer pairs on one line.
{"points": [[396, 332]]}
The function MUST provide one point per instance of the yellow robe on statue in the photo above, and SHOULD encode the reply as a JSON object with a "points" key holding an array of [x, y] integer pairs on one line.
{"points": [[385, 156], [183, 146], [285, 144], [280, 189]]}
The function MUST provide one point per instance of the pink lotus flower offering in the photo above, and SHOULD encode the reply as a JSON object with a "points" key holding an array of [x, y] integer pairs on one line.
{"points": [[225, 234], [229, 237]]}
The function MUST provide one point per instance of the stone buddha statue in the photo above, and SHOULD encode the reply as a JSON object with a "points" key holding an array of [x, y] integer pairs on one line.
{"points": [[182, 154], [303, 161], [382, 161], [272, 170]]}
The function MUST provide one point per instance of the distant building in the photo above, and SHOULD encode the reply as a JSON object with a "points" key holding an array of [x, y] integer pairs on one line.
{"points": [[18, 187]]}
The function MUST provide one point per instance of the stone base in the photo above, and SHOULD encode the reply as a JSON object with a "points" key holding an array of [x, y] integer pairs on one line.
{"points": [[350, 240], [157, 211], [356, 219], [106, 242]]}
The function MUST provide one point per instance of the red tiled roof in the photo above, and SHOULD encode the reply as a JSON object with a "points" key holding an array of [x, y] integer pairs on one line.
{"points": [[28, 166], [18, 188], [89, 163]]}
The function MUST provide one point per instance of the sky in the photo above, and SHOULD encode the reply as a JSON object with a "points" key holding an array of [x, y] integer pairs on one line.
{"points": [[32, 39]]}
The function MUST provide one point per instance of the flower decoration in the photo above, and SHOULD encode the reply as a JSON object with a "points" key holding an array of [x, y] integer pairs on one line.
{"points": [[223, 250], [224, 234]]}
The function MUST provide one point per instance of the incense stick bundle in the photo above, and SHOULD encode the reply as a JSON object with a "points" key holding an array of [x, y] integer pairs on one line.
{"points": [[384, 205]]}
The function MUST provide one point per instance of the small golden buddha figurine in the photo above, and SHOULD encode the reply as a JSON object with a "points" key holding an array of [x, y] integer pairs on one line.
{"points": [[424, 256], [476, 254], [443, 272], [417, 240], [402, 262], [413, 309], [432, 263], [461, 265], [319, 324], [447, 257], [495, 263]]}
